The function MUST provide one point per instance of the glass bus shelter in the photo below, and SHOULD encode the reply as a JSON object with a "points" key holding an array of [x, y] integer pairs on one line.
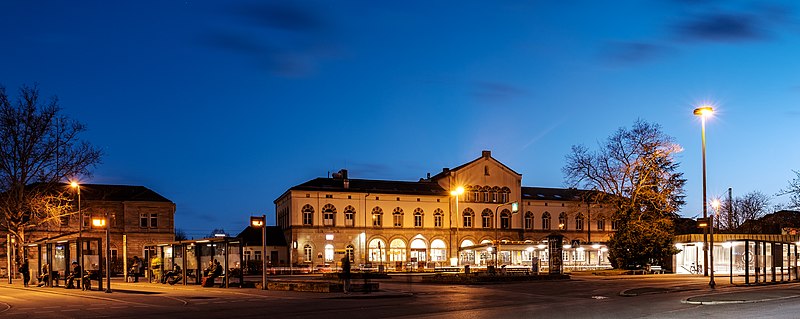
{"points": [[193, 257]]}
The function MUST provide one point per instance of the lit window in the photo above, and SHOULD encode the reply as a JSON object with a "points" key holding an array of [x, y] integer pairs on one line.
{"points": [[397, 217], [418, 217], [437, 218], [306, 252], [562, 221], [377, 217], [329, 253]]}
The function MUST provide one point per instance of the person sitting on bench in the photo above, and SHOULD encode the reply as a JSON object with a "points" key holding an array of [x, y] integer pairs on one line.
{"points": [[215, 272], [173, 276], [75, 273]]}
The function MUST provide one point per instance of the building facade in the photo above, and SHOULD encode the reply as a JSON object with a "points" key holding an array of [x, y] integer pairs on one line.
{"points": [[401, 225], [137, 216]]}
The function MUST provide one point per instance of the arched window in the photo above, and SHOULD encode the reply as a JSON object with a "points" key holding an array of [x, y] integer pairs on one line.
{"points": [[350, 251], [349, 216], [468, 215], [329, 253], [307, 253], [528, 220], [614, 224], [505, 219], [308, 215], [418, 217], [476, 194], [579, 222], [546, 221], [438, 251], [377, 250], [397, 217], [486, 218], [328, 215], [601, 223], [397, 250], [495, 190], [504, 194], [377, 217], [562, 221], [438, 217], [467, 257], [485, 191]]}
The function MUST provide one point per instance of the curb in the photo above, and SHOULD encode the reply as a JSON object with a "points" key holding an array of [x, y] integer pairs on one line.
{"points": [[373, 296], [723, 302]]}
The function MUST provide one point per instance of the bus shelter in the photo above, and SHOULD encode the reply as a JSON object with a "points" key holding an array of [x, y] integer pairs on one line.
{"points": [[743, 258], [193, 257], [55, 255]]}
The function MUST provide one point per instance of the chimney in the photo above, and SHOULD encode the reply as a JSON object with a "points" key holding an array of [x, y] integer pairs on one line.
{"points": [[429, 176], [445, 170], [486, 154]]}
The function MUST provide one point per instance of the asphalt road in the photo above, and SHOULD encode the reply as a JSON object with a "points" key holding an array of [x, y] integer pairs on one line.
{"points": [[657, 296]]}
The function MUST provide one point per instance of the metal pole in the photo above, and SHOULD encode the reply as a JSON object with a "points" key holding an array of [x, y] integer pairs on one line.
{"points": [[80, 230], [711, 282], [263, 252], [705, 208], [108, 254], [8, 256]]}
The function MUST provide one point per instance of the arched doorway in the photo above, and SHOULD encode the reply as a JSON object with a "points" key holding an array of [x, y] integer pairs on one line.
{"points": [[438, 252], [419, 250], [377, 250], [397, 252], [466, 257]]}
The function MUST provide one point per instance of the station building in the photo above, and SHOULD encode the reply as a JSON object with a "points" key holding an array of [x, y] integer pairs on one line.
{"points": [[410, 225]]}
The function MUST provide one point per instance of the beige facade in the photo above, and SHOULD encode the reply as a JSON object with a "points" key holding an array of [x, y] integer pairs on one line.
{"points": [[420, 224]]}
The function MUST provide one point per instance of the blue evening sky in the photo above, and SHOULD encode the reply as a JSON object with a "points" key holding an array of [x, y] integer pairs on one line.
{"points": [[223, 105]]}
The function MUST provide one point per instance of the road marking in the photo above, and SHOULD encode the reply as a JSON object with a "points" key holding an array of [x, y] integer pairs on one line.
{"points": [[7, 307], [66, 310]]}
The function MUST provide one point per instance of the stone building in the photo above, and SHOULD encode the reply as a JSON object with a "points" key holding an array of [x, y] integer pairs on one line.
{"points": [[138, 216], [411, 225]]}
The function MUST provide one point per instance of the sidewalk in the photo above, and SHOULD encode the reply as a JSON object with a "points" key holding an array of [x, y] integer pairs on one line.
{"points": [[120, 286], [724, 293]]}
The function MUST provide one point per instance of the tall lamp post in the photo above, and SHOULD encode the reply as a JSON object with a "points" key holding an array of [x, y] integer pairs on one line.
{"points": [[702, 112], [79, 245], [260, 222], [715, 205], [103, 222], [455, 193], [514, 209]]}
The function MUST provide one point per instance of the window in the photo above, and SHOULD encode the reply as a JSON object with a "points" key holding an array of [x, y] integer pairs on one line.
{"points": [[562, 221], [306, 253], [504, 197], [329, 253], [486, 218], [418, 217], [397, 250], [328, 215], [468, 216], [349, 251], [397, 217], [494, 196], [257, 255], [486, 195], [87, 219], [377, 217], [579, 222], [349, 216], [601, 223], [546, 221], [308, 215], [505, 219], [438, 215], [614, 224], [148, 220], [528, 220]]}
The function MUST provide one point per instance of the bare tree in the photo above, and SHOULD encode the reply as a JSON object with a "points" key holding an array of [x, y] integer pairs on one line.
{"points": [[636, 171], [39, 148], [793, 190], [750, 206]]}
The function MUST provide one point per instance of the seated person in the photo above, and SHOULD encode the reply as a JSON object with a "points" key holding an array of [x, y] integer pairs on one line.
{"points": [[75, 273], [172, 276], [215, 272], [43, 277]]}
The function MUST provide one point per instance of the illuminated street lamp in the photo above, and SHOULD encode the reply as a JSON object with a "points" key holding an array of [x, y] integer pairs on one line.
{"points": [[99, 222], [261, 222], [455, 193], [77, 187], [702, 112]]}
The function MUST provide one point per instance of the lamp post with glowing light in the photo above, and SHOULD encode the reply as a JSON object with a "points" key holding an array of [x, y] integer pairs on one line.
{"points": [[702, 112], [455, 193], [715, 205], [77, 187], [261, 222], [100, 222]]}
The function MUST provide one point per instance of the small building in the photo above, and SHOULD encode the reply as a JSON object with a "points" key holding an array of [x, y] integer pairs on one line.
{"points": [[276, 248]]}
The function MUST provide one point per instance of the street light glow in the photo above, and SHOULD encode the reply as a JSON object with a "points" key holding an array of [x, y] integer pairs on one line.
{"points": [[704, 111], [74, 184], [98, 222], [458, 191], [715, 204]]}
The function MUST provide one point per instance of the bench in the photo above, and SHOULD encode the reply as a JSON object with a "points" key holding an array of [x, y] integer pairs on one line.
{"points": [[656, 270], [447, 269]]}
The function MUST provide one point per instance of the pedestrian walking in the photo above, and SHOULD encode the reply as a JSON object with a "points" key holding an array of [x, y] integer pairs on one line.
{"points": [[346, 273]]}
